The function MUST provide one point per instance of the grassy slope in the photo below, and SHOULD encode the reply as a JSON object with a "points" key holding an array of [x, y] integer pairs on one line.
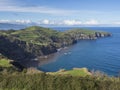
{"points": [[6, 66], [42, 36], [36, 35], [5, 63], [75, 72], [42, 81], [78, 72], [84, 31]]}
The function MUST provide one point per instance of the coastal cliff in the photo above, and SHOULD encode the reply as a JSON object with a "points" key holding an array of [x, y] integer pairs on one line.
{"points": [[34, 41]]}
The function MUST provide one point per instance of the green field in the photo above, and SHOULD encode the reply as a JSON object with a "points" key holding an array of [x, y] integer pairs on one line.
{"points": [[5, 63], [44, 36], [74, 72]]}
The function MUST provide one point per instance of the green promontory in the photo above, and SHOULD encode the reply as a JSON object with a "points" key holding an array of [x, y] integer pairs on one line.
{"points": [[38, 41]]}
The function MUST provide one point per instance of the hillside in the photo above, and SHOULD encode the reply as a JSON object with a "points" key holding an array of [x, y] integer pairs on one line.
{"points": [[43, 81], [36, 41], [7, 65]]}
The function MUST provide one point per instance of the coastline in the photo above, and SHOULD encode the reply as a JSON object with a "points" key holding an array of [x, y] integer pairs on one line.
{"points": [[27, 49]]}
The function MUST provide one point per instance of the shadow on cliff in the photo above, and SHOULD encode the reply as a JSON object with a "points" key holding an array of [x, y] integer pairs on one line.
{"points": [[14, 52]]}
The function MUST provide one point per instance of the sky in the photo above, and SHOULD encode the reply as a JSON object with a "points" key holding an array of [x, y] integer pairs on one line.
{"points": [[60, 12]]}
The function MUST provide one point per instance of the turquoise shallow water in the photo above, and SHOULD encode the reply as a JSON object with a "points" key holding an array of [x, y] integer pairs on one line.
{"points": [[102, 54]]}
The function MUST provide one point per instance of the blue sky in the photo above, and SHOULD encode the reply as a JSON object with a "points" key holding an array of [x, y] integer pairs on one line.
{"points": [[67, 12]]}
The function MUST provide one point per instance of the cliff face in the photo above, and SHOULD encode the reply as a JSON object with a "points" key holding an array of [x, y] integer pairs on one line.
{"points": [[8, 65], [37, 41], [86, 34], [20, 50]]}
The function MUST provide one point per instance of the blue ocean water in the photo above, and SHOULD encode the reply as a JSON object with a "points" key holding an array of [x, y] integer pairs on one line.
{"points": [[7, 26], [102, 54]]}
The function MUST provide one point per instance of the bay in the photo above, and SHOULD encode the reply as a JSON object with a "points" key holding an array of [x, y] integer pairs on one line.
{"points": [[102, 54]]}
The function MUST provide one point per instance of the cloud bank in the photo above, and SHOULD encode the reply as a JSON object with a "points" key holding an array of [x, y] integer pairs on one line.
{"points": [[53, 22], [69, 22]]}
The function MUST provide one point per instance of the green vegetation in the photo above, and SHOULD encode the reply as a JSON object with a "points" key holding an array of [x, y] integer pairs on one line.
{"points": [[45, 36], [35, 41], [38, 41], [75, 72], [5, 63], [85, 31], [43, 81], [35, 35], [78, 72], [76, 79]]}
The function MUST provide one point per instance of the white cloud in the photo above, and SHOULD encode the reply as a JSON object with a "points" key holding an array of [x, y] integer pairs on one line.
{"points": [[5, 21], [53, 22], [78, 22], [71, 22], [59, 22], [16, 21], [117, 23], [91, 22], [45, 21], [23, 21]]}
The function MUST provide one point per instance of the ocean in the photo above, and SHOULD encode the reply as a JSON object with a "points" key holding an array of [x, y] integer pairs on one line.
{"points": [[102, 54]]}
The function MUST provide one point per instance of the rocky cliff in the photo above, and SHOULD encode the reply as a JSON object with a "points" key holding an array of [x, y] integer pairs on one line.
{"points": [[38, 41]]}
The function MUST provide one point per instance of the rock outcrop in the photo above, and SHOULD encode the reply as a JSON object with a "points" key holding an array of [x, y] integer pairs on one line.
{"points": [[20, 50], [26, 44]]}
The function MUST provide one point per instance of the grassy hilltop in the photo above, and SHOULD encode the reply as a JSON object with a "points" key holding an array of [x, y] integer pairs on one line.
{"points": [[44, 36], [38, 41]]}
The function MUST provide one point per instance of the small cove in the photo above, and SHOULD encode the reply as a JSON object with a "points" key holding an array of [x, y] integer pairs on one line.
{"points": [[102, 54]]}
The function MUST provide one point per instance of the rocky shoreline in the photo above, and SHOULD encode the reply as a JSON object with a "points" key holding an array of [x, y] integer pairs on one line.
{"points": [[20, 50]]}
